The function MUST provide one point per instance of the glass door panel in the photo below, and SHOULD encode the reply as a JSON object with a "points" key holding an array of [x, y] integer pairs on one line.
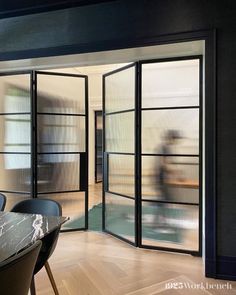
{"points": [[119, 186], [15, 137], [170, 155], [62, 148]]}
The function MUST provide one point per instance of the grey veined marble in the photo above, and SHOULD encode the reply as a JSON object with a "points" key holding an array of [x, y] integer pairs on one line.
{"points": [[18, 230]]}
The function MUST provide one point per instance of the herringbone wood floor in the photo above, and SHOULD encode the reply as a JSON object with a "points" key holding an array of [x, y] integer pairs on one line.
{"points": [[89, 263]]}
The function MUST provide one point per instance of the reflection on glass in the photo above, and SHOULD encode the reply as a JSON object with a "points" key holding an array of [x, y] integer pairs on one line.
{"points": [[177, 181], [168, 84], [60, 94], [120, 90], [58, 172], [120, 132], [170, 225], [157, 123], [58, 133], [15, 94], [119, 216], [13, 199], [15, 172], [73, 206], [121, 174]]}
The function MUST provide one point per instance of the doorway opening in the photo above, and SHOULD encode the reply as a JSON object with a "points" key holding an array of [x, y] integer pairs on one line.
{"points": [[141, 118]]}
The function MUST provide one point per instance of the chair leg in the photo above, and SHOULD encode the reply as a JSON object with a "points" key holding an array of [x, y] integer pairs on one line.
{"points": [[32, 287], [49, 272]]}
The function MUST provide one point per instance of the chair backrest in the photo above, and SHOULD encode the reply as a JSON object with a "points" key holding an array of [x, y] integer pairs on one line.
{"points": [[48, 208], [38, 206], [16, 272], [2, 201]]}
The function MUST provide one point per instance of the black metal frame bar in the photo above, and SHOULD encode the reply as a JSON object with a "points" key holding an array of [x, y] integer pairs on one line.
{"points": [[170, 108], [96, 114], [196, 57], [62, 114], [35, 114], [120, 112], [106, 156]]}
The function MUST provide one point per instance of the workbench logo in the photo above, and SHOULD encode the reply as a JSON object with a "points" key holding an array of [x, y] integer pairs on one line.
{"points": [[198, 286]]}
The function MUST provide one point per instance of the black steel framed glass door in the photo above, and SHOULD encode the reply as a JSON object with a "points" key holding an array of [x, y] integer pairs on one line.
{"points": [[61, 143], [119, 178], [153, 154], [170, 156]]}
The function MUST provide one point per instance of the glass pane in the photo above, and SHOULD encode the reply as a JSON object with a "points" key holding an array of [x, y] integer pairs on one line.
{"points": [[121, 174], [169, 225], [120, 132], [170, 131], [60, 94], [99, 173], [15, 172], [58, 172], [168, 84], [15, 133], [58, 133], [73, 206], [15, 94], [99, 120], [120, 216], [173, 179], [120, 90], [13, 199]]}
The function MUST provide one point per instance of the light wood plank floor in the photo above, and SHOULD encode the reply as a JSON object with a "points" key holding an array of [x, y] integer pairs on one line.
{"points": [[90, 263]]}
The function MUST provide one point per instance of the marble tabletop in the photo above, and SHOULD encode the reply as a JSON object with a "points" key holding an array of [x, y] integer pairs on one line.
{"points": [[19, 230]]}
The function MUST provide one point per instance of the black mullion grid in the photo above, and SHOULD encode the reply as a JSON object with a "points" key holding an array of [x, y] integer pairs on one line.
{"points": [[170, 108], [120, 195], [86, 150], [200, 151], [169, 202], [106, 154], [106, 159], [34, 144], [138, 150], [62, 114], [119, 112], [85, 115], [60, 192], [176, 155]]}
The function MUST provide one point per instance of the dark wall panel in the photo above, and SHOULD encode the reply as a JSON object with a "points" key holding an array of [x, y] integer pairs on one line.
{"points": [[105, 25], [10, 8], [120, 24]]}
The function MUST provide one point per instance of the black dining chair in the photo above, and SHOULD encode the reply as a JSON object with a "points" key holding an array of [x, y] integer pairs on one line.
{"points": [[48, 208], [16, 272], [2, 202]]}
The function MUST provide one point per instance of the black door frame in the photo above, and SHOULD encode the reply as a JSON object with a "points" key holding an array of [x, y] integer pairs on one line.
{"points": [[210, 136], [138, 201], [83, 155], [210, 130]]}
